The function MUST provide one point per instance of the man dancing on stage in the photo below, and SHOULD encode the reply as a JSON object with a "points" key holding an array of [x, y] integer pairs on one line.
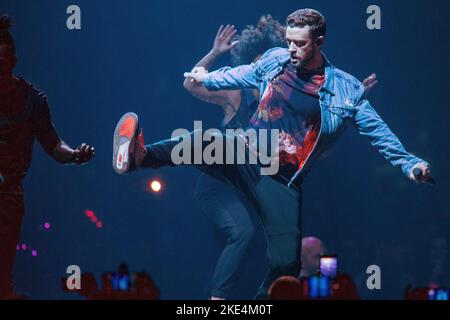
{"points": [[220, 201], [24, 116], [310, 102]]}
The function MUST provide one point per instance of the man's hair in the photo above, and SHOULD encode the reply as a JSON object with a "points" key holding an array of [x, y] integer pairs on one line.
{"points": [[5, 35], [308, 17], [255, 40]]}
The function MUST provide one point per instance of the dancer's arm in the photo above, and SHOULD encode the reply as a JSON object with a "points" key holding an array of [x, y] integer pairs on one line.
{"points": [[47, 136], [223, 42]]}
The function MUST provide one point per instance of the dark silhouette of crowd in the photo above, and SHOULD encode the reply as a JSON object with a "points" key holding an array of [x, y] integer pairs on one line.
{"points": [[120, 285]]}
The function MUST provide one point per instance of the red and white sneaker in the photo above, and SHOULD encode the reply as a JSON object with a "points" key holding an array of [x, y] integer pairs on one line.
{"points": [[128, 146]]}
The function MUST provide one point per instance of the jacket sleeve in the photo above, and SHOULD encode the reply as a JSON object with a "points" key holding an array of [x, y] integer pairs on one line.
{"points": [[369, 123], [245, 76], [232, 78]]}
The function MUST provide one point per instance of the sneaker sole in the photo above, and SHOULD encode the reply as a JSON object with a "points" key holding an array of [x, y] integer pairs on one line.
{"points": [[123, 135]]}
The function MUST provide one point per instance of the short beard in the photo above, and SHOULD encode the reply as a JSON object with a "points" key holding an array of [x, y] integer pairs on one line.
{"points": [[298, 64], [303, 64]]}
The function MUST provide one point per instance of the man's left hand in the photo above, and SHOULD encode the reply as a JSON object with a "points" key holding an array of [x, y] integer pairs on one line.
{"points": [[424, 168]]}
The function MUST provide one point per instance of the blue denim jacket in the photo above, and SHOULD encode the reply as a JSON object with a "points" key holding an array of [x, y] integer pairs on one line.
{"points": [[342, 101]]}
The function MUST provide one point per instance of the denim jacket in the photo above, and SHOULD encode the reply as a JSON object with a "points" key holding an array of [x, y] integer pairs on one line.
{"points": [[342, 101]]}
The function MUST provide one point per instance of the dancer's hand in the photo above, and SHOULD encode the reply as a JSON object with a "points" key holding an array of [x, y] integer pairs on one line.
{"points": [[424, 168], [197, 74], [223, 41], [84, 153], [370, 82]]}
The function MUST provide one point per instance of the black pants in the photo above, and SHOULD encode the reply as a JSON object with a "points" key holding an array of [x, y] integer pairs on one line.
{"points": [[279, 207], [230, 214], [11, 215]]}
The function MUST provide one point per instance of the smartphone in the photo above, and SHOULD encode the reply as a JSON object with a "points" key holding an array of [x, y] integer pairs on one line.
{"points": [[328, 265], [124, 284], [313, 287], [441, 294], [324, 287]]}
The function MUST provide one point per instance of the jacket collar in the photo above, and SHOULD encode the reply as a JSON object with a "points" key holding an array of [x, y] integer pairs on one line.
{"points": [[329, 76], [328, 86]]}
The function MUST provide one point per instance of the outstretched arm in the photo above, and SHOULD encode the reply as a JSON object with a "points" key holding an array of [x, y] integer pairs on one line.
{"points": [[243, 77], [227, 78], [369, 123], [47, 136]]}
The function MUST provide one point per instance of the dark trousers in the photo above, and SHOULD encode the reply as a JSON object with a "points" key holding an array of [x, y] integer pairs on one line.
{"points": [[279, 207], [230, 214], [11, 215]]}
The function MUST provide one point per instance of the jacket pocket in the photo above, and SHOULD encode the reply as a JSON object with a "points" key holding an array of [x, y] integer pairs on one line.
{"points": [[342, 111]]}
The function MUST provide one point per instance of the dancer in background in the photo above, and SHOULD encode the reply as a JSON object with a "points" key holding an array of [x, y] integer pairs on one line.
{"points": [[24, 116]]}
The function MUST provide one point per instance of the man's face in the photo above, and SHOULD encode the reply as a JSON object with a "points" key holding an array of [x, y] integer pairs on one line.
{"points": [[302, 46], [7, 61]]}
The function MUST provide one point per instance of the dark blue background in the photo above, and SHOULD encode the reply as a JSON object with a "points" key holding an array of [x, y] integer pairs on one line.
{"points": [[131, 55]]}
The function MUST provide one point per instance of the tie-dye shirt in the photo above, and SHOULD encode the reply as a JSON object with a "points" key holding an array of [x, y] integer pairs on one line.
{"points": [[291, 105]]}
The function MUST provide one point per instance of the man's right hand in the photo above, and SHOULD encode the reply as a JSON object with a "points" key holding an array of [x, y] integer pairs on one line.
{"points": [[197, 74], [223, 41]]}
